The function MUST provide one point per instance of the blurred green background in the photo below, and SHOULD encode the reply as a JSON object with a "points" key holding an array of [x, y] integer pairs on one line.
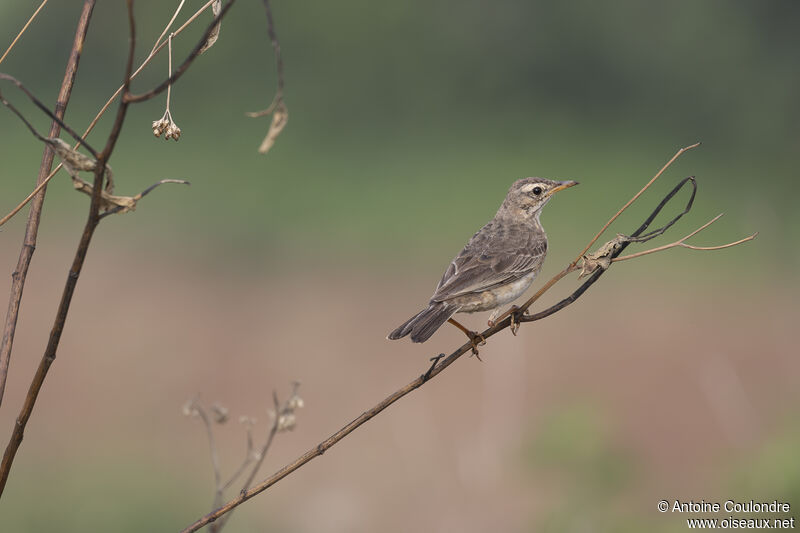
{"points": [[407, 123]]}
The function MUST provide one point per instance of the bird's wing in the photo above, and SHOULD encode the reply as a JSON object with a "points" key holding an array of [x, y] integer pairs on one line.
{"points": [[493, 257]]}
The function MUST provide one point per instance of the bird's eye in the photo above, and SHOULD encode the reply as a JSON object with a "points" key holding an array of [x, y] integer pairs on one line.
{"points": [[537, 191]]}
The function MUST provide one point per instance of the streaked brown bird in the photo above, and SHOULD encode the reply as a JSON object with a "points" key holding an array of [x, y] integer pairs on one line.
{"points": [[497, 265]]}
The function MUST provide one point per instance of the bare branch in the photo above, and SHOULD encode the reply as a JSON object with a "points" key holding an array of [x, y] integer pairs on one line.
{"points": [[32, 227], [77, 264]]}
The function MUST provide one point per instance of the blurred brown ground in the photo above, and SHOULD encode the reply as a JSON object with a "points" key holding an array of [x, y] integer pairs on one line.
{"points": [[685, 380]]}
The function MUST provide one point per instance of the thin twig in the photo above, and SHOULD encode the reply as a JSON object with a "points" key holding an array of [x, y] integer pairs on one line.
{"points": [[596, 275], [276, 48], [248, 458], [92, 221], [32, 227], [278, 109], [212, 446], [635, 197], [216, 526], [25, 27], [54, 116], [132, 98], [167, 27], [682, 243]]}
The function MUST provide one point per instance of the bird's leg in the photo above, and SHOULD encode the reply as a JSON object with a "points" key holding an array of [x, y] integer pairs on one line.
{"points": [[493, 317], [515, 315], [513, 312], [475, 338]]}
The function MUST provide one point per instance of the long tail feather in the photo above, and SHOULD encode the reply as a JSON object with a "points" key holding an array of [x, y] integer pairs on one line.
{"points": [[425, 323]]}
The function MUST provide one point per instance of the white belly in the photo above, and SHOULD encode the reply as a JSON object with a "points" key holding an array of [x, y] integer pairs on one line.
{"points": [[499, 296]]}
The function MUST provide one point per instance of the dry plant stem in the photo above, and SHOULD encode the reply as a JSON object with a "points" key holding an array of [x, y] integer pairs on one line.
{"points": [[157, 47], [635, 197], [75, 271], [25, 27], [438, 366], [682, 243], [217, 526], [212, 446], [32, 226], [596, 275], [54, 116], [133, 98], [276, 47]]}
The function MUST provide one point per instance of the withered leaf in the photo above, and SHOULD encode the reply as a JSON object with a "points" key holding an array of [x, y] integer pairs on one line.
{"points": [[75, 162], [601, 259], [214, 35]]}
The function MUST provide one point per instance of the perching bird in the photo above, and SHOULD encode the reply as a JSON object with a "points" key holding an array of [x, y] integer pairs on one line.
{"points": [[497, 265]]}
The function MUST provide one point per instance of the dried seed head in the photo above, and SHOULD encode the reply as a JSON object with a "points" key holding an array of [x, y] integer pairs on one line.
{"points": [[166, 125], [190, 408], [248, 421], [295, 402], [287, 421], [220, 413]]}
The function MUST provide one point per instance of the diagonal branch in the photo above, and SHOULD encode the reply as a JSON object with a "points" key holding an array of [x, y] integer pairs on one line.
{"points": [[75, 271], [441, 362], [32, 227]]}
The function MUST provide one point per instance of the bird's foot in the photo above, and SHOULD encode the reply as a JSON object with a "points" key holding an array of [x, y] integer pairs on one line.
{"points": [[513, 312], [476, 339], [515, 315]]}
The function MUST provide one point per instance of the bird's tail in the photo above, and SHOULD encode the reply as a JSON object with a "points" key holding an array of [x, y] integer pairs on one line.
{"points": [[425, 323]]}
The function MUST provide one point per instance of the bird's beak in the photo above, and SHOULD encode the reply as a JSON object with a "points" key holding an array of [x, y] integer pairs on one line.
{"points": [[563, 185]]}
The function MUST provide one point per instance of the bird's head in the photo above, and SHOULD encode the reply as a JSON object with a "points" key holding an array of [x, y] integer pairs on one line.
{"points": [[528, 196]]}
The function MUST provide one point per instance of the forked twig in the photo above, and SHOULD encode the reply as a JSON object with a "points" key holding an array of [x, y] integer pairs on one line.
{"points": [[682, 243], [284, 420]]}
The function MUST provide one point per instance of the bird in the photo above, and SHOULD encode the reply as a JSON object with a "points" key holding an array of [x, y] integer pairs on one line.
{"points": [[496, 266]]}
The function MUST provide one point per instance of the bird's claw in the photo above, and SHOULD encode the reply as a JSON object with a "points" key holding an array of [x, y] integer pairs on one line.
{"points": [[476, 339]]}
